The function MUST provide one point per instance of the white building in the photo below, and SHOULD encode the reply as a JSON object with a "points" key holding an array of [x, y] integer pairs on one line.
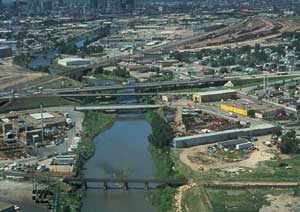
{"points": [[75, 62]]}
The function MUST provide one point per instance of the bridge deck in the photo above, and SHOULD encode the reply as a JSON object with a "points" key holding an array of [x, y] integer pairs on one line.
{"points": [[127, 180], [117, 107]]}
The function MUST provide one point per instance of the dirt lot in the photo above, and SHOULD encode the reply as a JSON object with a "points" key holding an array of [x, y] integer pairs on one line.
{"points": [[198, 159], [282, 203], [12, 76]]}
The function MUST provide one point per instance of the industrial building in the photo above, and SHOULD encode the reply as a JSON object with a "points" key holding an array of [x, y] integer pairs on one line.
{"points": [[27, 126], [60, 163], [246, 108], [75, 62], [232, 144], [214, 137], [213, 96]]}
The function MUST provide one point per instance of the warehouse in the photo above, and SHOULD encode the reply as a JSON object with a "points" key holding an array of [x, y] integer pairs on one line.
{"points": [[245, 108], [231, 144], [213, 96], [213, 137], [75, 62]]}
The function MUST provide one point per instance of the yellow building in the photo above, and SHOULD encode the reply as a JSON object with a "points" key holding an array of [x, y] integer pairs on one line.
{"points": [[251, 109], [234, 109]]}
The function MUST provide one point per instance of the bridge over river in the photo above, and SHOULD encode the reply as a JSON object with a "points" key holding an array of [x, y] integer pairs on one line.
{"points": [[125, 183]]}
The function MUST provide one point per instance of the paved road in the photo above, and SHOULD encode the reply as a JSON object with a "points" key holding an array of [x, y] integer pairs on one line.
{"points": [[117, 107]]}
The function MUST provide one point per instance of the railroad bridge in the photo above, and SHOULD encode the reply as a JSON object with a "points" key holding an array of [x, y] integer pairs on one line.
{"points": [[126, 183]]}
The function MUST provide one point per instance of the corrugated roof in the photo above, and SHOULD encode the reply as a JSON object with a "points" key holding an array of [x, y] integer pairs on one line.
{"points": [[259, 126]]}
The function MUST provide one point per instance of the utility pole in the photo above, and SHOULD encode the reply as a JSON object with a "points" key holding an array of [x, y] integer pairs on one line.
{"points": [[42, 121]]}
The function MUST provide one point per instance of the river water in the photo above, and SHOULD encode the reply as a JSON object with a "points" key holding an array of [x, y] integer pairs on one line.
{"points": [[121, 149]]}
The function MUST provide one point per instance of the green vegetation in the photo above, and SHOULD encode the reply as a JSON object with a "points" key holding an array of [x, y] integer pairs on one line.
{"points": [[69, 203], [22, 60], [289, 144], [109, 77], [119, 74], [69, 46], [195, 199], [237, 200], [163, 198], [162, 135], [295, 19], [160, 140], [61, 83], [269, 171], [94, 123]]}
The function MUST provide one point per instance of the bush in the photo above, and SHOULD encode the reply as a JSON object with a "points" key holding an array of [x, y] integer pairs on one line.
{"points": [[289, 143]]}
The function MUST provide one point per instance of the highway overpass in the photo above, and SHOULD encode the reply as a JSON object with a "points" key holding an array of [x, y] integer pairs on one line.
{"points": [[149, 85], [117, 107]]}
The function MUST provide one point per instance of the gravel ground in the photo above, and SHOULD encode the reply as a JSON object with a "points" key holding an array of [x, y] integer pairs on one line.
{"points": [[19, 193]]}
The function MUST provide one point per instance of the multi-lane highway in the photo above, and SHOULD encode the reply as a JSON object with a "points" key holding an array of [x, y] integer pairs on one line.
{"points": [[139, 87]]}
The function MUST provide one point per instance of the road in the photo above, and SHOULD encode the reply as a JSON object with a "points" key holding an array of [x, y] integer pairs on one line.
{"points": [[117, 107]]}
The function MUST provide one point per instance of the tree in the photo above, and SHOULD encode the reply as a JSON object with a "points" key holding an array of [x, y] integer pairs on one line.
{"points": [[161, 131], [98, 70], [120, 72], [277, 131], [289, 143]]}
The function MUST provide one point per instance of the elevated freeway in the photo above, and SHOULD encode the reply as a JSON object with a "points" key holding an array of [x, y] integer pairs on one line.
{"points": [[174, 83], [117, 107]]}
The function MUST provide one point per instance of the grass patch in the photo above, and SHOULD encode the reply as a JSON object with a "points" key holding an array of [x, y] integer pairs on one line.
{"points": [[69, 202], [240, 200], [163, 198], [61, 83], [195, 199], [295, 19], [109, 77], [266, 171], [272, 171]]}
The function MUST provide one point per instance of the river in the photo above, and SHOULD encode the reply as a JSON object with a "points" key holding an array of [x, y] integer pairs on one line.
{"points": [[123, 148]]}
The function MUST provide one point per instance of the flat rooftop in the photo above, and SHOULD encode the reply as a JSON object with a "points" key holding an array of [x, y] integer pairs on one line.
{"points": [[216, 92], [248, 105]]}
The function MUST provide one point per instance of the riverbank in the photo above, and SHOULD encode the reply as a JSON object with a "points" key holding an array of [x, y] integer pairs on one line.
{"points": [[162, 198], [93, 124]]}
